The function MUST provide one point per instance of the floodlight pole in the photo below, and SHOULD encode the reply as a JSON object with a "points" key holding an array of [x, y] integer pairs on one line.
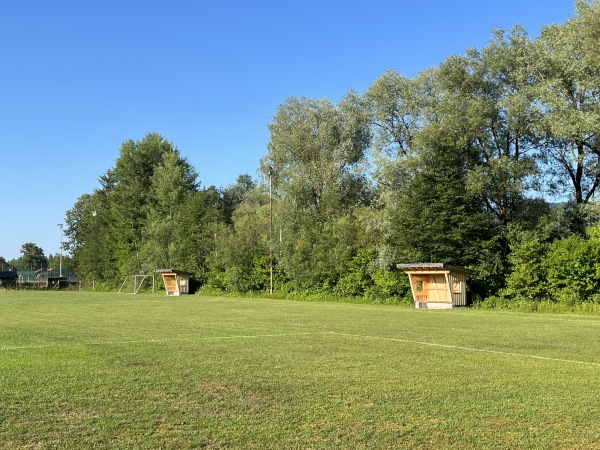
{"points": [[270, 230], [60, 225]]}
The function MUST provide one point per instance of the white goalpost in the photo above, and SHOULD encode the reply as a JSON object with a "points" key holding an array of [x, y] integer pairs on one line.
{"points": [[135, 283]]}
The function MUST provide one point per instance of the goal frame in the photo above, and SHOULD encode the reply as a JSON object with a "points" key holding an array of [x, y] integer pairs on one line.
{"points": [[138, 281]]}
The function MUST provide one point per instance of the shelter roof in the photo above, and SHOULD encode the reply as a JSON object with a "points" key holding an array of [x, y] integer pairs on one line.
{"points": [[434, 267], [178, 272]]}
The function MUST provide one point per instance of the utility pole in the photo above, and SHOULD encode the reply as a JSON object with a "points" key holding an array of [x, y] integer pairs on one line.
{"points": [[60, 225], [271, 230]]}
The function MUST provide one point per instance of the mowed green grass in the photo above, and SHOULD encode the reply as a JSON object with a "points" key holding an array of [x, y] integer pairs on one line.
{"points": [[105, 370]]}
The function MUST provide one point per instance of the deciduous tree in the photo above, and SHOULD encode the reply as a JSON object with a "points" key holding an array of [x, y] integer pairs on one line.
{"points": [[32, 257], [487, 110], [568, 95], [317, 152]]}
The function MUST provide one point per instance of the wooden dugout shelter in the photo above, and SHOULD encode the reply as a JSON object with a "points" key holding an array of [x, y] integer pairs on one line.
{"points": [[177, 282], [437, 285]]}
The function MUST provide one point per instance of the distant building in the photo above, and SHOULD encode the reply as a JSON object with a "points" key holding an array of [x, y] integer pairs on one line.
{"points": [[8, 278]]}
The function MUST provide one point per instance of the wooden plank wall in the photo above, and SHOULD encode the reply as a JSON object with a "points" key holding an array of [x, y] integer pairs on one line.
{"points": [[458, 298]]}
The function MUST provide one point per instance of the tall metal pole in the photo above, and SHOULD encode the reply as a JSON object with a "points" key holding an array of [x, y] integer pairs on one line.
{"points": [[60, 225], [271, 230]]}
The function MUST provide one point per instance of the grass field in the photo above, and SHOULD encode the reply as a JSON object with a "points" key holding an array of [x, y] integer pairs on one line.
{"points": [[103, 370]]}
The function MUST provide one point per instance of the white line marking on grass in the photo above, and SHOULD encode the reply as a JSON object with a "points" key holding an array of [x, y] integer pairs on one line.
{"points": [[256, 336], [148, 341], [471, 349]]}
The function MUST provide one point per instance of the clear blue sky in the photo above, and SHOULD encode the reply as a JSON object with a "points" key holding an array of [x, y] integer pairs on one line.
{"points": [[78, 78]]}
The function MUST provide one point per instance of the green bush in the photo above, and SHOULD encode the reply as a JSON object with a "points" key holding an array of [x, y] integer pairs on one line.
{"points": [[566, 271], [389, 286], [358, 279], [573, 269], [528, 278]]}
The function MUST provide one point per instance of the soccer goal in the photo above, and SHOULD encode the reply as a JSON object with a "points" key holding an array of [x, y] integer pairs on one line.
{"points": [[133, 283]]}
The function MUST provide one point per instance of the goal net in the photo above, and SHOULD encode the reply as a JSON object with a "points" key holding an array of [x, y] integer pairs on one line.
{"points": [[133, 284]]}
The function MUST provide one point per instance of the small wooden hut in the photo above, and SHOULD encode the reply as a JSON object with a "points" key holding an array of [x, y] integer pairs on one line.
{"points": [[437, 285], [177, 282]]}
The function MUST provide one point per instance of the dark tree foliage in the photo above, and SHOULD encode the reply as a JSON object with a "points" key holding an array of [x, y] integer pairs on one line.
{"points": [[32, 257], [195, 226], [438, 220]]}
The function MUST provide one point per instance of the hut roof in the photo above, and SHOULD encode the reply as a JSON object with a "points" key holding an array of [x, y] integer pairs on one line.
{"points": [[433, 267], [178, 272]]}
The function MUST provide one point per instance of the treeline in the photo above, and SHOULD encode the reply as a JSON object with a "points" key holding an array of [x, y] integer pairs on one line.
{"points": [[454, 165], [33, 258]]}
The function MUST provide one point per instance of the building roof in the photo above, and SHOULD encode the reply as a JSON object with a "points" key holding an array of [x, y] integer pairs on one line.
{"points": [[9, 275], [434, 267], [178, 272]]}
